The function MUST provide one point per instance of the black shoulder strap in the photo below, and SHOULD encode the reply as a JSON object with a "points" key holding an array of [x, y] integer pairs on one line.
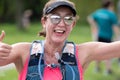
{"points": [[35, 53], [36, 62], [69, 53], [68, 57]]}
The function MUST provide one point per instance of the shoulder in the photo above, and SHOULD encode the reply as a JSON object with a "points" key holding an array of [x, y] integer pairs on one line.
{"points": [[95, 13], [89, 48], [85, 52], [86, 44], [98, 10], [89, 45], [21, 50], [21, 45], [86, 49], [113, 14]]}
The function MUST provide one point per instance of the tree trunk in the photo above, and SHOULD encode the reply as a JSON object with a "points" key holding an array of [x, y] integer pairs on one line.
{"points": [[19, 14]]}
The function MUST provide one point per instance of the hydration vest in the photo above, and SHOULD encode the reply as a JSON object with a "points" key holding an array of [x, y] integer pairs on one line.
{"points": [[68, 63]]}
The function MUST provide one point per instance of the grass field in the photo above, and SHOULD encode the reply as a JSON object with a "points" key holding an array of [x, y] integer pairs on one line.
{"points": [[79, 34]]}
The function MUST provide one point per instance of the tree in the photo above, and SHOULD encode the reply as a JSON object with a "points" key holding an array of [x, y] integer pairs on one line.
{"points": [[19, 14]]}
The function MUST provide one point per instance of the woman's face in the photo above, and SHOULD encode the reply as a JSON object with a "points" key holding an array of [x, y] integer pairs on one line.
{"points": [[59, 24]]}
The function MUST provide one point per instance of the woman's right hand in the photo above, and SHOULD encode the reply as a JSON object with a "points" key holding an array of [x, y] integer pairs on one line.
{"points": [[5, 49]]}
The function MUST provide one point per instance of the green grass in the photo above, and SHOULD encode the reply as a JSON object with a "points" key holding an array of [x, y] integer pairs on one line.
{"points": [[79, 34], [9, 74], [90, 73]]}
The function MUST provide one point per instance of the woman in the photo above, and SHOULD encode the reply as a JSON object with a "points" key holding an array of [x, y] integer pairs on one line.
{"points": [[55, 58]]}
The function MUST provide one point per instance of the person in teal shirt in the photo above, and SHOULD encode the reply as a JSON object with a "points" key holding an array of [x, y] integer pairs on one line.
{"points": [[104, 25]]}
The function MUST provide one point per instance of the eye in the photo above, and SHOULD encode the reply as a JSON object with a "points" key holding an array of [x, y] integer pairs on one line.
{"points": [[55, 19], [68, 18]]}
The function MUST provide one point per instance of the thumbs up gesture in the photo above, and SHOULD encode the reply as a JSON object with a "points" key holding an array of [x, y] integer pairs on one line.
{"points": [[5, 49]]}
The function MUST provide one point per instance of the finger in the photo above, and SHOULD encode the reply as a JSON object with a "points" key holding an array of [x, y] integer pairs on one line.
{"points": [[4, 51], [2, 35], [5, 55], [3, 58], [3, 45]]}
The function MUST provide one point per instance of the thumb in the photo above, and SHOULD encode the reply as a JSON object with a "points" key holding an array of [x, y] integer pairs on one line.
{"points": [[2, 35]]}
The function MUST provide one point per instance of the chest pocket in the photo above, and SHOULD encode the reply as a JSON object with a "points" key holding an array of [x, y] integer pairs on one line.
{"points": [[35, 56], [70, 69]]}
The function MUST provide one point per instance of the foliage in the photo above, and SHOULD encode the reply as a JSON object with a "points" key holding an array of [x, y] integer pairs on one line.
{"points": [[36, 6], [8, 9]]}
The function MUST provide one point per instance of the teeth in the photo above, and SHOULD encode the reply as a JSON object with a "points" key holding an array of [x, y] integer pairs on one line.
{"points": [[60, 31]]}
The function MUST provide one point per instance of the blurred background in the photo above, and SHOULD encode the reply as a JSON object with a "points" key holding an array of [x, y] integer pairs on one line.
{"points": [[20, 19], [15, 11]]}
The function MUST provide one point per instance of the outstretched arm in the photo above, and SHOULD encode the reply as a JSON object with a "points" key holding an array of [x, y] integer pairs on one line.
{"points": [[92, 51]]}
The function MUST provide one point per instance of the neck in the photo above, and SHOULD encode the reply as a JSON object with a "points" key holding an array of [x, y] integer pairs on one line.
{"points": [[52, 48]]}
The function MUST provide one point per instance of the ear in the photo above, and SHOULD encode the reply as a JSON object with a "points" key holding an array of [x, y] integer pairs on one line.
{"points": [[43, 21], [74, 23]]}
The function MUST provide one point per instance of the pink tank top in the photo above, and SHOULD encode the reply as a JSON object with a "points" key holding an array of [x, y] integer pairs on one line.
{"points": [[56, 71]]}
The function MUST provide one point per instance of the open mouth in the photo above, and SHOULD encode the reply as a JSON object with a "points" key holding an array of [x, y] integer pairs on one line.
{"points": [[58, 31]]}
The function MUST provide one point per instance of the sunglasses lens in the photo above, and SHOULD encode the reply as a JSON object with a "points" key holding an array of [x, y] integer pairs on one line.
{"points": [[55, 19], [68, 20]]}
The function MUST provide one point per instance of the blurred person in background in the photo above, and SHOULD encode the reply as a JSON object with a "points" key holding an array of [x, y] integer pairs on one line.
{"points": [[26, 18], [104, 25]]}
